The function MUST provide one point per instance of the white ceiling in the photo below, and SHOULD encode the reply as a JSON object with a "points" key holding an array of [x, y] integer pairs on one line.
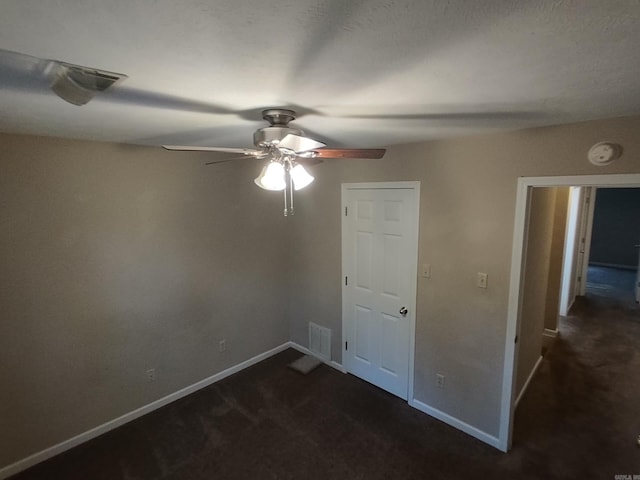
{"points": [[361, 73]]}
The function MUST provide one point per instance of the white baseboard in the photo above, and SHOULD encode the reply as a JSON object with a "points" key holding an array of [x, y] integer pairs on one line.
{"points": [[526, 384], [550, 333], [456, 423], [417, 404], [306, 351], [47, 453]]}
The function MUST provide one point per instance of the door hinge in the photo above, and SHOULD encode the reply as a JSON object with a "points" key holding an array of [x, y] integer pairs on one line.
{"points": [[516, 340], [346, 281], [346, 211], [346, 345]]}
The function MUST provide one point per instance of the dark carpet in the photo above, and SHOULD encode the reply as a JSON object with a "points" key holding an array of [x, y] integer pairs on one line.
{"points": [[615, 283], [580, 416], [579, 420]]}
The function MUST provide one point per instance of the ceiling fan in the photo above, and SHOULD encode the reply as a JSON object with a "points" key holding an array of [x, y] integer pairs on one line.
{"points": [[285, 148]]}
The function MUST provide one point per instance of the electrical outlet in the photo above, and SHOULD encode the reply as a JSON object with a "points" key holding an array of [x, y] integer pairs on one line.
{"points": [[222, 345], [151, 375], [483, 279], [439, 380]]}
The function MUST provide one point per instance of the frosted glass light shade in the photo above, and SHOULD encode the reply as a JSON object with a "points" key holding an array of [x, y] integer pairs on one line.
{"points": [[271, 177], [301, 178]]}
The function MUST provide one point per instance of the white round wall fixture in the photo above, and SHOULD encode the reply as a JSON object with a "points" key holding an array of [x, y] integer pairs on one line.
{"points": [[604, 153]]}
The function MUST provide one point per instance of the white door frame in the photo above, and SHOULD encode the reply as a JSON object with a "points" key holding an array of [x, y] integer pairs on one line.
{"points": [[517, 273], [570, 253], [590, 209], [413, 285]]}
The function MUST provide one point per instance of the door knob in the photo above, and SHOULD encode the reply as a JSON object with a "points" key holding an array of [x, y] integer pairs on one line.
{"points": [[403, 311]]}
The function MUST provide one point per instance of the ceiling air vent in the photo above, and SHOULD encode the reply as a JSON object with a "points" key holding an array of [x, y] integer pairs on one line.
{"points": [[77, 84]]}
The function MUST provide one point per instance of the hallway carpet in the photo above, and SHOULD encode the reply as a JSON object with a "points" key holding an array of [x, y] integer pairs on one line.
{"points": [[579, 420], [615, 283], [580, 417]]}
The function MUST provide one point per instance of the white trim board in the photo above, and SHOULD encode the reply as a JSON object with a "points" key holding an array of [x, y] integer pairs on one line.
{"points": [[421, 406], [455, 423], [65, 445], [507, 403], [403, 185], [532, 374]]}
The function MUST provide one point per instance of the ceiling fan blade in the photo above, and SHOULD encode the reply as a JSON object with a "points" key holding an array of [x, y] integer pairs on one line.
{"points": [[243, 157], [188, 148], [350, 153], [299, 144]]}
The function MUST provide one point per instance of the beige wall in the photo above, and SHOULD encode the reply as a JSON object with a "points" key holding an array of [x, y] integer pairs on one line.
{"points": [[116, 259], [542, 204], [542, 275], [554, 283], [468, 193]]}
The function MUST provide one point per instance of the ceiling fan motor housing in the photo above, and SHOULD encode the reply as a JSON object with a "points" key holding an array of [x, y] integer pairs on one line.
{"points": [[278, 119], [272, 135]]}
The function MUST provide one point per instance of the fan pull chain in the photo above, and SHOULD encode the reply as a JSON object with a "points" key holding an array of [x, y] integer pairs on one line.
{"points": [[288, 190]]}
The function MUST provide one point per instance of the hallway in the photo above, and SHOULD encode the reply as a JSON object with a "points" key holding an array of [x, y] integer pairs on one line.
{"points": [[579, 417]]}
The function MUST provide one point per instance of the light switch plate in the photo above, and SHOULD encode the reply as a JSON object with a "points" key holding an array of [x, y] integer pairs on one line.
{"points": [[483, 279], [425, 271]]}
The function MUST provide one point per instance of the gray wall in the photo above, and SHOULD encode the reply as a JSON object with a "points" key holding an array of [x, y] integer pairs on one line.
{"points": [[616, 227], [116, 259], [468, 193]]}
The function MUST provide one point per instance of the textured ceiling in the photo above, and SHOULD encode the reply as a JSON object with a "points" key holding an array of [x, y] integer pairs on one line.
{"points": [[360, 73]]}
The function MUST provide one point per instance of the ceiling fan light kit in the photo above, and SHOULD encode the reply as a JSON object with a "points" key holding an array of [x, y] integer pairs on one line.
{"points": [[271, 177], [301, 178], [286, 175], [285, 147]]}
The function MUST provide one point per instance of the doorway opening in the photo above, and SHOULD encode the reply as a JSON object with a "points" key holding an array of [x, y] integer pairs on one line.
{"points": [[614, 245], [517, 298]]}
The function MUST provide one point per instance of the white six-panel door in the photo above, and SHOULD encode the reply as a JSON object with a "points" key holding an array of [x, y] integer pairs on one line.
{"points": [[380, 231]]}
